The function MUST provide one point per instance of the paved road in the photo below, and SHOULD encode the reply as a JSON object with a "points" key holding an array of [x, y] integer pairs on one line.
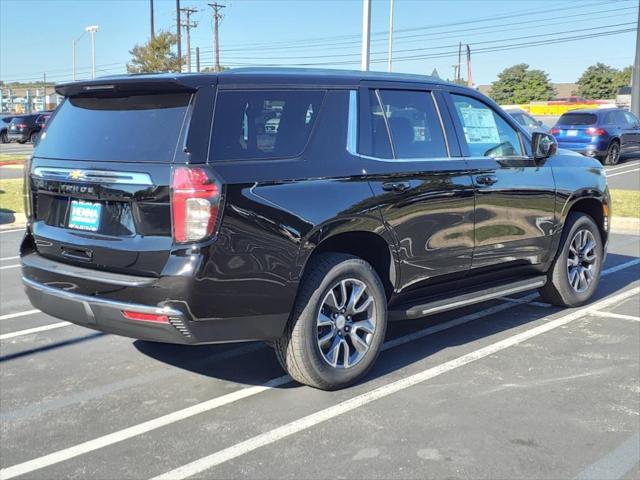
{"points": [[16, 148], [502, 390], [625, 175]]}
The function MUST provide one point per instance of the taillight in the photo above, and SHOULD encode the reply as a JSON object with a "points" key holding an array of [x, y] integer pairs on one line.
{"points": [[595, 132], [554, 131], [195, 201], [21, 125]]}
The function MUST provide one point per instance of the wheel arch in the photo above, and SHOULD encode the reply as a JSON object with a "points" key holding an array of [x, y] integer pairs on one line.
{"points": [[377, 247]]}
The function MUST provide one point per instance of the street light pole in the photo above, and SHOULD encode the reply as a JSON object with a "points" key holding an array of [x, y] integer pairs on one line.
{"points": [[390, 58], [366, 36], [92, 29], [635, 74], [73, 58]]}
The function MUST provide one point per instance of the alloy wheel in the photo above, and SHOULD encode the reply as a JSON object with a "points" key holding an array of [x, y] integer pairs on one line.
{"points": [[581, 261], [346, 323]]}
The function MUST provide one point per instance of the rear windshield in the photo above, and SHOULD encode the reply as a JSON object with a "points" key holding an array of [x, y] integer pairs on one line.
{"points": [[576, 119], [252, 125], [141, 128]]}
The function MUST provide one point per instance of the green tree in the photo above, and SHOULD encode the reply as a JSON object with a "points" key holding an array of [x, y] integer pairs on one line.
{"points": [[623, 77], [518, 84], [155, 55], [598, 82]]}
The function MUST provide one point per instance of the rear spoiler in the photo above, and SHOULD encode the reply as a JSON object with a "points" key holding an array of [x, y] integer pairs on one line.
{"points": [[133, 85]]}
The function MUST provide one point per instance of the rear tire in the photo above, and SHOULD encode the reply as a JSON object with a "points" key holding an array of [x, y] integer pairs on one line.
{"points": [[33, 138], [575, 273], [613, 153], [338, 324]]}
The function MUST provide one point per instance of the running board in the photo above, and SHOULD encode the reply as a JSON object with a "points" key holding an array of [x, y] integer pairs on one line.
{"points": [[440, 304]]}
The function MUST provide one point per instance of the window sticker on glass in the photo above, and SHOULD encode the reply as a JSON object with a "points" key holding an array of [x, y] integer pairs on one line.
{"points": [[479, 125]]}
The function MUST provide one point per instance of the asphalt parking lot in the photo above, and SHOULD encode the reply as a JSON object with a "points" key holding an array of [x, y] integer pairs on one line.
{"points": [[507, 389]]}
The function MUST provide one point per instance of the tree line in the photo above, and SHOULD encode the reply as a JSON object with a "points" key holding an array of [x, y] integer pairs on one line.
{"points": [[519, 84]]}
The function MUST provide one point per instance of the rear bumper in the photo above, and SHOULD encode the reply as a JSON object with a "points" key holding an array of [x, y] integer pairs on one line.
{"points": [[596, 149], [105, 315], [52, 287], [17, 137]]}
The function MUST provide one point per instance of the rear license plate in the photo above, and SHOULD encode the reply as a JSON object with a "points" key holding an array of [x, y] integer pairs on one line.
{"points": [[572, 133], [85, 215]]}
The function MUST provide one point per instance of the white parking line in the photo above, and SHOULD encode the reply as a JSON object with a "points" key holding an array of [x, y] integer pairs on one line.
{"points": [[309, 421], [618, 316], [626, 165], [153, 424], [9, 258], [18, 314], [29, 331], [623, 173], [9, 266], [13, 230]]}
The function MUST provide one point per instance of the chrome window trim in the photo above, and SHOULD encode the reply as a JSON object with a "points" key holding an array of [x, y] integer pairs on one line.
{"points": [[100, 176]]}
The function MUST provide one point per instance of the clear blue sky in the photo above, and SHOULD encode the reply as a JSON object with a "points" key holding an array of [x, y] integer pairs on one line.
{"points": [[36, 35]]}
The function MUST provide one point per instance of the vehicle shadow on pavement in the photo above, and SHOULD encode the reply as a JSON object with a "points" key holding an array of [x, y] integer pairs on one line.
{"points": [[260, 364]]}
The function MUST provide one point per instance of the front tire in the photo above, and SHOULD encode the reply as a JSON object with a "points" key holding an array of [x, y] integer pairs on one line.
{"points": [[613, 154], [338, 325], [4, 137], [575, 273]]}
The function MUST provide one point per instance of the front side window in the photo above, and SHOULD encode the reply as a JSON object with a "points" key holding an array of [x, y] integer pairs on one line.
{"points": [[251, 125], [486, 133]]}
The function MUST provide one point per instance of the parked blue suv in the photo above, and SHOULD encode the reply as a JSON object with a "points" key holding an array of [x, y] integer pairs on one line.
{"points": [[605, 134]]}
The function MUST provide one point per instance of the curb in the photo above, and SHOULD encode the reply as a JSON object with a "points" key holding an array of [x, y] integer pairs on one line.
{"points": [[625, 225]]}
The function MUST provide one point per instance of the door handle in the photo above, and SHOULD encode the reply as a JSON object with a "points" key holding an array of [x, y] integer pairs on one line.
{"points": [[396, 186], [486, 179]]}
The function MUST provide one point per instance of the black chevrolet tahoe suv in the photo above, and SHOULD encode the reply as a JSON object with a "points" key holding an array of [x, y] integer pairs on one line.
{"points": [[304, 208]]}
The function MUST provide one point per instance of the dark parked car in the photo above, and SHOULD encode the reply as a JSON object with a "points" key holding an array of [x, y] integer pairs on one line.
{"points": [[4, 128], [25, 128], [605, 134], [529, 123], [378, 197]]}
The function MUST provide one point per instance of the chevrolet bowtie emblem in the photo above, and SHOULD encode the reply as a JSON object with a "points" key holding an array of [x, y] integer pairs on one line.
{"points": [[76, 174]]}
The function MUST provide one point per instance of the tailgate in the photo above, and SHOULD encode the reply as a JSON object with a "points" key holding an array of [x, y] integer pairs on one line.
{"points": [[100, 180]]}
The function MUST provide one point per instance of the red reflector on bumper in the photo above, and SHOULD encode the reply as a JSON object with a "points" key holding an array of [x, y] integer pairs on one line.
{"points": [[145, 317]]}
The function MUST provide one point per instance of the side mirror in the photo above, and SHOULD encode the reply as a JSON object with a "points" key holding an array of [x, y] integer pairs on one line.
{"points": [[543, 145], [540, 123]]}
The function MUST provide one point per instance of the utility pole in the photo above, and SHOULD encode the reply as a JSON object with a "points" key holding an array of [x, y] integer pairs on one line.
{"points": [[390, 58], [366, 35], [153, 30], [217, 16], [469, 74], [459, 75], [198, 59], [178, 36], [44, 91], [188, 25], [635, 74]]}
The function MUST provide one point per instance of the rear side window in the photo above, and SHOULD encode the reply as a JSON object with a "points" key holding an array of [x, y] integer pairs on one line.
{"points": [[578, 119], [253, 125], [142, 128], [414, 124]]}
